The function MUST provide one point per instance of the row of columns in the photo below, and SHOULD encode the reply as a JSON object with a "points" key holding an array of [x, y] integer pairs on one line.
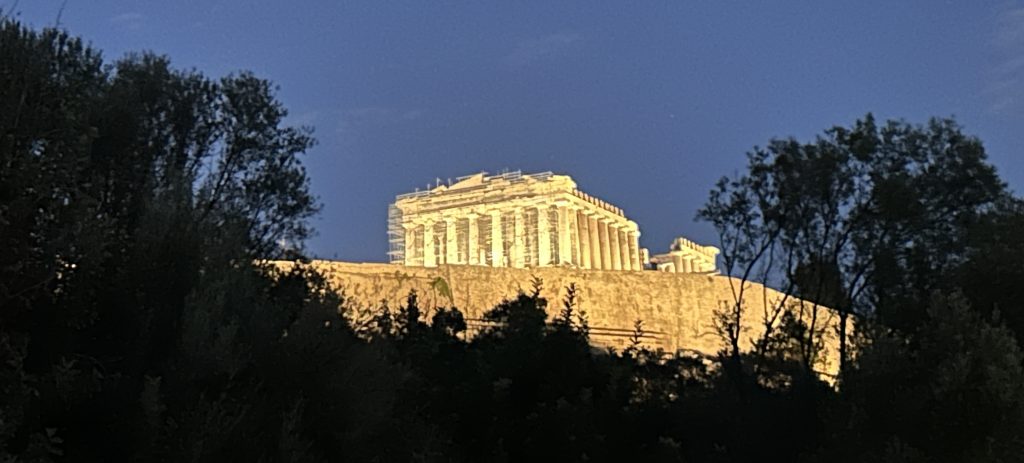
{"points": [[682, 263], [586, 239], [606, 246]]}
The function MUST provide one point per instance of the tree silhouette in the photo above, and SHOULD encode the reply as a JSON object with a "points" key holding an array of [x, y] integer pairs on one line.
{"points": [[141, 320]]}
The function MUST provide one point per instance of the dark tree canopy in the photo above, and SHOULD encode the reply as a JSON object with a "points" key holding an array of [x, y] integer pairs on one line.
{"points": [[868, 219], [140, 319]]}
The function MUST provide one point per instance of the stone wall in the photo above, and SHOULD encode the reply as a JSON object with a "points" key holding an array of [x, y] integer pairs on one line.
{"points": [[676, 308]]}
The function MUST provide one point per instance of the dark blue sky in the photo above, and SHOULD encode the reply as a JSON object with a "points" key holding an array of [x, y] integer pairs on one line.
{"points": [[644, 107]]}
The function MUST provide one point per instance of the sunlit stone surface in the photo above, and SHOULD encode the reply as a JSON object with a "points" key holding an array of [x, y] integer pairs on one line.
{"points": [[483, 239], [685, 256], [678, 310], [512, 220]]}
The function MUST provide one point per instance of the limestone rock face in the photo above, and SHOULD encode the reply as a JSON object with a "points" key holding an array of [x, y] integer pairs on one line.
{"points": [[677, 309]]}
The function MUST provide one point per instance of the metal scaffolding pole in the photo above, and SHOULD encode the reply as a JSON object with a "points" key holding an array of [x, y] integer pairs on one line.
{"points": [[396, 236]]}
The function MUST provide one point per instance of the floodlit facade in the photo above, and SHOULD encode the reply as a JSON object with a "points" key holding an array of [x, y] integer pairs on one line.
{"points": [[685, 256], [512, 220]]}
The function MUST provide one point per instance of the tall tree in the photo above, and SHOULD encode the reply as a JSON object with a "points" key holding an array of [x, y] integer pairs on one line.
{"points": [[992, 277], [871, 219], [134, 199]]}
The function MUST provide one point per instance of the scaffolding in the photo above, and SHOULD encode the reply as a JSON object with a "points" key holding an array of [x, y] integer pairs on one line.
{"points": [[396, 236], [516, 176], [529, 211]]}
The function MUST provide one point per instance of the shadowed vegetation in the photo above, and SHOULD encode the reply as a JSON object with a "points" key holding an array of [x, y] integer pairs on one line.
{"points": [[137, 323]]}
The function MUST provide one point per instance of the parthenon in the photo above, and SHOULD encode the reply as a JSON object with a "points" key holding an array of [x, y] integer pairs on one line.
{"points": [[511, 220]]}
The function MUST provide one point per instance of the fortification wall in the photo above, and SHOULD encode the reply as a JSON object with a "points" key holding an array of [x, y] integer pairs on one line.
{"points": [[677, 308]]}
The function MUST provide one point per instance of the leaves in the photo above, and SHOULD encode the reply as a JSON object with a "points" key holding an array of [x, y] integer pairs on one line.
{"points": [[140, 319], [865, 220]]}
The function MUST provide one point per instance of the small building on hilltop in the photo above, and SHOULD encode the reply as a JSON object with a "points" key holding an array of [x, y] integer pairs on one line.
{"points": [[685, 256]]}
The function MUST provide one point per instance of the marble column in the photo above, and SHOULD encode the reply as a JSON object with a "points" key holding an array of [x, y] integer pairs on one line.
{"points": [[604, 239], [688, 264], [634, 250], [518, 240], [574, 238], [677, 263], [497, 251], [584, 239], [627, 263], [613, 247], [409, 243], [564, 243], [429, 259], [451, 241], [543, 237], [595, 243], [473, 238]]}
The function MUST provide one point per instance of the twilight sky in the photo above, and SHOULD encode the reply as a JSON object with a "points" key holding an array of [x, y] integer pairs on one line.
{"points": [[643, 107]]}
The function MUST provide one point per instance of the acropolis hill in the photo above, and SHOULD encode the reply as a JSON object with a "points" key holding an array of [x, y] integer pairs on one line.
{"points": [[484, 238]]}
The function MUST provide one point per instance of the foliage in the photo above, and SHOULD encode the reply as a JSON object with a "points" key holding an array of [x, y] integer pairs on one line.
{"points": [[991, 276], [867, 220], [955, 393], [140, 319]]}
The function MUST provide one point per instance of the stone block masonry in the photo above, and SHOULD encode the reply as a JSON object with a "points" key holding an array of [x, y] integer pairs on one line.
{"points": [[677, 308], [685, 256], [511, 220]]}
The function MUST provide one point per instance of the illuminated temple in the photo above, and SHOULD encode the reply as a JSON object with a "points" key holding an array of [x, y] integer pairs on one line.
{"points": [[526, 221], [512, 220]]}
